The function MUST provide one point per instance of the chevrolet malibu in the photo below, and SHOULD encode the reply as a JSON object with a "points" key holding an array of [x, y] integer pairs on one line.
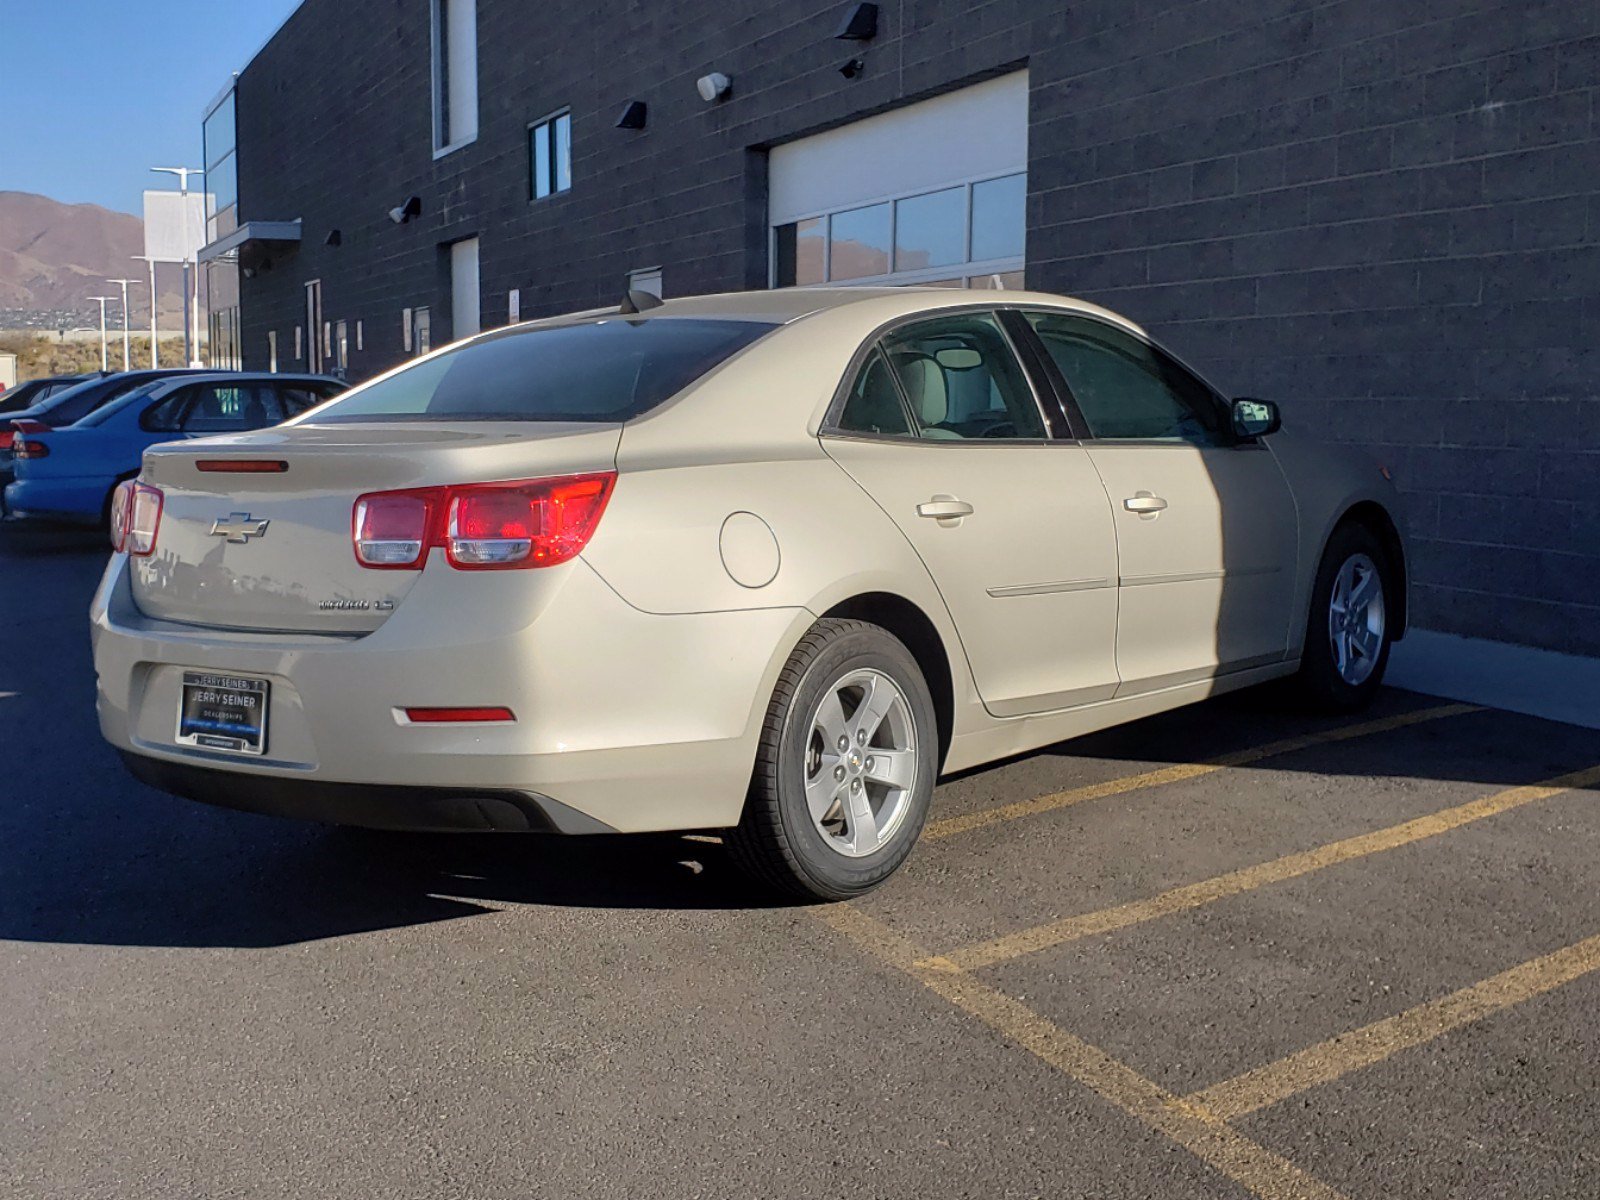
{"points": [[763, 563]]}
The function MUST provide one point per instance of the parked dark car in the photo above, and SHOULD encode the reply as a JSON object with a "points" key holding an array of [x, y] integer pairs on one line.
{"points": [[14, 401]]}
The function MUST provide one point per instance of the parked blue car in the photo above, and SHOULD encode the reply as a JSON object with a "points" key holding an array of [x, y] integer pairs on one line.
{"points": [[71, 404], [69, 474]]}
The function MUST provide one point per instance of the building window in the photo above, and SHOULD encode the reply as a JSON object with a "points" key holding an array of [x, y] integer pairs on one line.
{"points": [[550, 156], [969, 235], [219, 137], [455, 74]]}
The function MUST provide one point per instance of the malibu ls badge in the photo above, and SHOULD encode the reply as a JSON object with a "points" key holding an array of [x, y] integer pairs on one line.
{"points": [[239, 527], [357, 605]]}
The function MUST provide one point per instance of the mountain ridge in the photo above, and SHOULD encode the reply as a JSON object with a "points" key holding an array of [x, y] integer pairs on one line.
{"points": [[54, 256]]}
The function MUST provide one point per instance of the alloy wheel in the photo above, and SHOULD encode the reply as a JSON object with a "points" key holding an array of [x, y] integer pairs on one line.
{"points": [[861, 762], [1356, 619]]}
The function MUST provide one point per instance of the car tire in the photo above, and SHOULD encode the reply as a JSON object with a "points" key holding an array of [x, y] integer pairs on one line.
{"points": [[804, 832], [1347, 642]]}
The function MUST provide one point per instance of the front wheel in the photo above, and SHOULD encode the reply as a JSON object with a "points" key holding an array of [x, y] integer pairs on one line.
{"points": [[1347, 635], [845, 769]]}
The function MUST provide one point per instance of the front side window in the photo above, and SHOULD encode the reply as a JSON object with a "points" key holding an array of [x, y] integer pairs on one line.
{"points": [[961, 380], [601, 371], [1127, 389], [550, 156]]}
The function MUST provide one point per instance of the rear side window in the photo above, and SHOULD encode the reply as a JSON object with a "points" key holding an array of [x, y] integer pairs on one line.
{"points": [[951, 378], [874, 405], [225, 408], [162, 417], [607, 370]]}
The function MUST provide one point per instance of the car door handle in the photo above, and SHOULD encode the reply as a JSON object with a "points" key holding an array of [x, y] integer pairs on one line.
{"points": [[944, 508], [1145, 504]]}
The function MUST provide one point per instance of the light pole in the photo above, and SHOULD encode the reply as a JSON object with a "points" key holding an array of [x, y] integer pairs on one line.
{"points": [[155, 360], [189, 313], [127, 364], [104, 300]]}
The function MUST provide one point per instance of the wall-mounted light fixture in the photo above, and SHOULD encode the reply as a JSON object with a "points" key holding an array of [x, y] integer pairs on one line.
{"points": [[633, 117], [714, 87], [853, 68], [334, 238], [860, 23], [402, 213]]}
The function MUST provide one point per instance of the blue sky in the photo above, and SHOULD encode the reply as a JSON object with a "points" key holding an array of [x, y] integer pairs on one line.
{"points": [[95, 92]]}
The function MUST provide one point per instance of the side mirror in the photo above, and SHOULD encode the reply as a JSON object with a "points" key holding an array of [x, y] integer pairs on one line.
{"points": [[1255, 418]]}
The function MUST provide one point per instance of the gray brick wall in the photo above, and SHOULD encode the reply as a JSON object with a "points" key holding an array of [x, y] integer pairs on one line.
{"points": [[1384, 215]]}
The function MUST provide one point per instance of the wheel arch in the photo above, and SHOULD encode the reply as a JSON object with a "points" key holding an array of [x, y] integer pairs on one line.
{"points": [[1376, 518], [916, 630], [116, 482]]}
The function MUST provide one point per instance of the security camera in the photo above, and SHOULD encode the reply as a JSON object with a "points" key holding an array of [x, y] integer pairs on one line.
{"points": [[714, 86], [397, 214], [404, 212]]}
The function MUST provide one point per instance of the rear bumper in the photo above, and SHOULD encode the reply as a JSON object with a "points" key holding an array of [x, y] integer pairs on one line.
{"points": [[627, 720], [369, 806], [69, 499]]}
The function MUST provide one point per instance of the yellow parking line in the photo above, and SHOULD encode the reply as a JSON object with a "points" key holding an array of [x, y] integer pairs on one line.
{"points": [[1181, 771], [1189, 1124], [1373, 1043], [1208, 891]]}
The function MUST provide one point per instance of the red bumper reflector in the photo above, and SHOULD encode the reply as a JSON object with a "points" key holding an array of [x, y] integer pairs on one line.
{"points": [[242, 466], [444, 716]]}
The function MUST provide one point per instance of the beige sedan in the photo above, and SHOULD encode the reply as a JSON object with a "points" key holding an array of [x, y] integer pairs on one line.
{"points": [[766, 563]]}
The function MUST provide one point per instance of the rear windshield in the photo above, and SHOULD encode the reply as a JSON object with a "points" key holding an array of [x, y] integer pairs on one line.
{"points": [[603, 371], [24, 395], [112, 407], [72, 405]]}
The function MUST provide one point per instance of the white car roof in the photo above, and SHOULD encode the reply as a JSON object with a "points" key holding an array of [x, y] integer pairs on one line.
{"points": [[783, 305]]}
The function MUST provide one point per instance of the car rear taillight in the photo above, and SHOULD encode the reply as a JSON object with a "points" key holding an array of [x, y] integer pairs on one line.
{"points": [[537, 524], [393, 530], [135, 518], [22, 446], [6, 438], [482, 526]]}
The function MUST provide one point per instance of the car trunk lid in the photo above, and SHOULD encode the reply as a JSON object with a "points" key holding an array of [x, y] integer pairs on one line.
{"points": [[249, 546]]}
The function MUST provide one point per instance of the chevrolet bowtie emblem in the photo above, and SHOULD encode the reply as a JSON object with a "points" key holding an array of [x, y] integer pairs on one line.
{"points": [[238, 527]]}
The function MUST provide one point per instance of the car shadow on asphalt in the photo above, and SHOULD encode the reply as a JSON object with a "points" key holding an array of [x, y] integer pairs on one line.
{"points": [[169, 873], [88, 856]]}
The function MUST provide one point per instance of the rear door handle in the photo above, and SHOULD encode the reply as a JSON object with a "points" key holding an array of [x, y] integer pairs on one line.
{"points": [[1144, 503], [944, 508]]}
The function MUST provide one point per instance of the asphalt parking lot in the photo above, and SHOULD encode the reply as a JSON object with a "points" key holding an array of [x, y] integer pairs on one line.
{"points": [[1227, 952]]}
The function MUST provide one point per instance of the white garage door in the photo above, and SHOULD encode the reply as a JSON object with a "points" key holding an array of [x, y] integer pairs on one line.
{"points": [[933, 193]]}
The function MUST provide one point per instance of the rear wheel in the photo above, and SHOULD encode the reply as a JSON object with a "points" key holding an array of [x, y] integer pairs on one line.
{"points": [[845, 769], [1347, 636]]}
